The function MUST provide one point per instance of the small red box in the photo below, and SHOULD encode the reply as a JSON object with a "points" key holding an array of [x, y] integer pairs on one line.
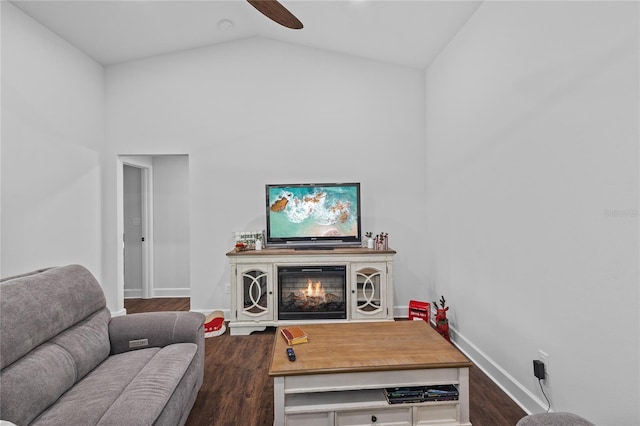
{"points": [[419, 310]]}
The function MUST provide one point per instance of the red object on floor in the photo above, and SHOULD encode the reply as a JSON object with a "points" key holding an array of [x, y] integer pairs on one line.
{"points": [[214, 324], [419, 310]]}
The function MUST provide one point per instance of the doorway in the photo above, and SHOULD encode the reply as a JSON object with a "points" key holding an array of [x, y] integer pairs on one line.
{"points": [[153, 226]]}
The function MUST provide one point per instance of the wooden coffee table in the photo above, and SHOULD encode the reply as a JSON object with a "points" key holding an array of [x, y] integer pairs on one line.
{"points": [[339, 376]]}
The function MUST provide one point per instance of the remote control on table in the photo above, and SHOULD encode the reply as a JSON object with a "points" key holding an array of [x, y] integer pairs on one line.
{"points": [[291, 354]]}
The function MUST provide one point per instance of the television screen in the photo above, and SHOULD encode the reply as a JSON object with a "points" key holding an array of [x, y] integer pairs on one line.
{"points": [[313, 214]]}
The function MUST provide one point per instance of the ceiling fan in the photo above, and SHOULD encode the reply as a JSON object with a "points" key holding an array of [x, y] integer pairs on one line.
{"points": [[273, 10]]}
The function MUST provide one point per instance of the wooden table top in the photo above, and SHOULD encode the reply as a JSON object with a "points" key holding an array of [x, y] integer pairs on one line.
{"points": [[366, 346]]}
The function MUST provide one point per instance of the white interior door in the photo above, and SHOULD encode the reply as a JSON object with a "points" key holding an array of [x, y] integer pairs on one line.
{"points": [[133, 231], [135, 225]]}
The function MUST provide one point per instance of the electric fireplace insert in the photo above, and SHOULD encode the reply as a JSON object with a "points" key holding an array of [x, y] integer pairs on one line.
{"points": [[312, 292]]}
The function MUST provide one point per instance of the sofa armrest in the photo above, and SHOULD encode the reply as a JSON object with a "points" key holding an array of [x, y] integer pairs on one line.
{"points": [[155, 329]]}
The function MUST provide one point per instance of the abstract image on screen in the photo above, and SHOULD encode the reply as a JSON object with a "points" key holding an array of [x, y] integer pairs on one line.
{"points": [[316, 211]]}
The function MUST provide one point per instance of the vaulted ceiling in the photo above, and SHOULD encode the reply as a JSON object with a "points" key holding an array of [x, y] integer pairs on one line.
{"points": [[407, 33]]}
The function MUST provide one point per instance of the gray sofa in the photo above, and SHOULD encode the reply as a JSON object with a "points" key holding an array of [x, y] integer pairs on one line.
{"points": [[65, 361]]}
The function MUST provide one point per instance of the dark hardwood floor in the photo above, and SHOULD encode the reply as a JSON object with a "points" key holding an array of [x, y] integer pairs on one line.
{"points": [[237, 389]]}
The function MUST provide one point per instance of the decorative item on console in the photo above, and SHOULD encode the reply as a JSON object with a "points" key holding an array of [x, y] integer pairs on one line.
{"points": [[382, 241], [442, 323], [248, 240], [369, 241], [379, 242]]}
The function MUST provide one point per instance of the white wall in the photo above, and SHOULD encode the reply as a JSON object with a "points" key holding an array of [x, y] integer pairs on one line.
{"points": [[532, 173], [258, 111], [171, 226], [52, 137]]}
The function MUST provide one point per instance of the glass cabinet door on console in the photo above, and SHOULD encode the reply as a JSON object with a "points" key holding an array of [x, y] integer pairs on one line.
{"points": [[255, 295], [369, 287]]}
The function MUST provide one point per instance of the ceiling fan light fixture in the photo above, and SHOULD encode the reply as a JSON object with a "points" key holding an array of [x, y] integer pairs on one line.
{"points": [[225, 25]]}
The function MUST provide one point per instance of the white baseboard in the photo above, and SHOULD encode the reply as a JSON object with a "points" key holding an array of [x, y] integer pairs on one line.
{"points": [[119, 313], [514, 389], [518, 393], [171, 292], [136, 293], [133, 293], [401, 311]]}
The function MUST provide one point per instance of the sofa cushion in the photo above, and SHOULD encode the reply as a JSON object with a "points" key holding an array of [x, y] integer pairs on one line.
{"points": [[142, 402], [37, 307], [130, 388], [35, 381], [184, 395], [87, 342]]}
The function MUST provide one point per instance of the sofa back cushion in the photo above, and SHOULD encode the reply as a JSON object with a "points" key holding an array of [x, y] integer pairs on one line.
{"points": [[36, 308], [54, 330]]}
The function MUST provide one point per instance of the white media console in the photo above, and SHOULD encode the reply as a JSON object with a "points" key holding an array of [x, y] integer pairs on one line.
{"points": [[368, 295]]}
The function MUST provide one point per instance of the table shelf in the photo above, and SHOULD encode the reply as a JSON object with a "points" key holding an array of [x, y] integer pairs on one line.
{"points": [[334, 401]]}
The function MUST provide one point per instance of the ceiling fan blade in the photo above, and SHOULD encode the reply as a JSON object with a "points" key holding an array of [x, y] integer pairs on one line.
{"points": [[277, 13]]}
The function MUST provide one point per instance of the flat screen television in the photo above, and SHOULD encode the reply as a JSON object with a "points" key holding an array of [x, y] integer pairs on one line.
{"points": [[308, 216]]}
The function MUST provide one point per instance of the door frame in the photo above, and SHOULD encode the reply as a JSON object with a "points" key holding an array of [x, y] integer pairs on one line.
{"points": [[145, 164]]}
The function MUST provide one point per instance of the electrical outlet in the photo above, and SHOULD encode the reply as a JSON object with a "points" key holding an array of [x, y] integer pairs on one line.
{"points": [[538, 369], [544, 357], [227, 288]]}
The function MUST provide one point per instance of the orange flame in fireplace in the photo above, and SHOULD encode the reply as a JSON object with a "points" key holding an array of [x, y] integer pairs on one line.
{"points": [[314, 290]]}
